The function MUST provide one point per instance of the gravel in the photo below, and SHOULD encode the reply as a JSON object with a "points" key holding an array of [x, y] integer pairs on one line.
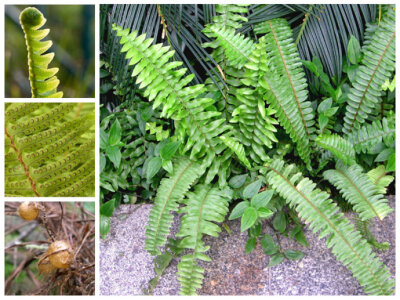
{"points": [[126, 268]]}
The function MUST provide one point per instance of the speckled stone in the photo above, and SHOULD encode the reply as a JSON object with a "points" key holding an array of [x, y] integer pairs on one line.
{"points": [[125, 267]]}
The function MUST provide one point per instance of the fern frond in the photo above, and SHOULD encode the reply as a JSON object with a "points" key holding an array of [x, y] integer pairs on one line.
{"points": [[339, 147], [285, 86], [203, 207], [43, 81], [285, 61], [380, 179], [356, 187], [315, 207], [170, 192], [50, 149], [237, 47], [369, 135], [376, 67], [165, 85]]}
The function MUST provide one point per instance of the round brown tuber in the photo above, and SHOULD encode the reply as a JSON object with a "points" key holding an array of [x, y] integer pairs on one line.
{"points": [[60, 254], [44, 265], [28, 211]]}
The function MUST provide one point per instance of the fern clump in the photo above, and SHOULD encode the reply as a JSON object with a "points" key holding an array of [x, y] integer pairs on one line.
{"points": [[262, 135], [49, 149], [43, 80]]}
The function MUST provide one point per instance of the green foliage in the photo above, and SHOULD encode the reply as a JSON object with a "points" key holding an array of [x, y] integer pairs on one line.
{"points": [[43, 80], [49, 149], [224, 133], [166, 86], [377, 66], [315, 207], [358, 189]]}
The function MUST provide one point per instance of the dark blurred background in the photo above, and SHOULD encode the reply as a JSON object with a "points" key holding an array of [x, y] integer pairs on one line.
{"points": [[72, 30]]}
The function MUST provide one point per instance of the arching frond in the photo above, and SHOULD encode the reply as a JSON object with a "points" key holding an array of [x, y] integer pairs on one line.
{"points": [[203, 207], [171, 191], [318, 210], [357, 188], [376, 67]]}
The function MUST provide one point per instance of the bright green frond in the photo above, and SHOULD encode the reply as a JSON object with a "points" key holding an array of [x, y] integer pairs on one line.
{"points": [[167, 87], [357, 188], [170, 192], [286, 87], [203, 207], [238, 148], [376, 67], [236, 46], [50, 149], [230, 15]]}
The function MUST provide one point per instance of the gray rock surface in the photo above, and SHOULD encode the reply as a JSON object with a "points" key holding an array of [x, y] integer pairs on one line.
{"points": [[126, 268]]}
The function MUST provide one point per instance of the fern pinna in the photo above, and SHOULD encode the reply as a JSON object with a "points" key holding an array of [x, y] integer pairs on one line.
{"points": [[261, 118], [43, 80], [49, 149]]}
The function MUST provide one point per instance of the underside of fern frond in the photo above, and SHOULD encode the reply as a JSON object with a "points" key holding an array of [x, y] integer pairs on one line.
{"points": [[286, 88], [203, 207], [43, 81], [318, 210], [169, 194], [358, 189], [49, 149], [376, 67]]}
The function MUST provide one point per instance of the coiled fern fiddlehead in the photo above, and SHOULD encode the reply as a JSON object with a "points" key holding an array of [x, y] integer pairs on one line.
{"points": [[43, 80]]}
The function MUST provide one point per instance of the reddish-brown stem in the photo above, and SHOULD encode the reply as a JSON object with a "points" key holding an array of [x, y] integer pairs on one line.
{"points": [[22, 163]]}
